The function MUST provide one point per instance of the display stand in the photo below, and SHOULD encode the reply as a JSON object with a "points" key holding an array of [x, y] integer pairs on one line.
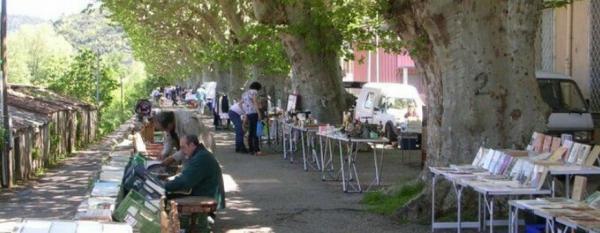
{"points": [[554, 221], [348, 169], [569, 171], [487, 194]]}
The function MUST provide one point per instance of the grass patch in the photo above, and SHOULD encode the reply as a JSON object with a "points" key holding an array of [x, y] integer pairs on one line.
{"points": [[40, 171], [382, 203]]}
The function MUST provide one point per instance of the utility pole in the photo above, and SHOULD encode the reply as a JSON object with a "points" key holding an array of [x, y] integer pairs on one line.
{"points": [[97, 78], [6, 166], [122, 96]]}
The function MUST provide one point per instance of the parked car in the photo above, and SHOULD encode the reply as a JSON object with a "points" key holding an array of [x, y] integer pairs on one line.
{"points": [[398, 107], [570, 112]]}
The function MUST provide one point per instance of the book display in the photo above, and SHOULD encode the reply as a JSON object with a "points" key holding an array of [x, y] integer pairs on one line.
{"points": [[508, 173], [571, 214]]}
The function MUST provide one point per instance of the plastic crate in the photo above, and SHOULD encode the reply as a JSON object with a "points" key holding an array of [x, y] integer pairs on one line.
{"points": [[135, 204]]}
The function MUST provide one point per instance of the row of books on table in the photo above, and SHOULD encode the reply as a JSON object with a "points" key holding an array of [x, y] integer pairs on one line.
{"points": [[554, 150], [585, 214], [525, 169]]}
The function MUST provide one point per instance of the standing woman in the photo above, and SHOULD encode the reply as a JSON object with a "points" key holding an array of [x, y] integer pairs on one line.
{"points": [[250, 107]]}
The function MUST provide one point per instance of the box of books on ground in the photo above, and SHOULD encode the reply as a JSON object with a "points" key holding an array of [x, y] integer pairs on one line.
{"points": [[124, 145], [96, 209], [63, 226], [139, 212], [112, 168], [151, 187], [113, 176], [105, 189]]}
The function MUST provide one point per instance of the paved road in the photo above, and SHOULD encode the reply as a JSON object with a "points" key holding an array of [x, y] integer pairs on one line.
{"points": [[268, 194]]}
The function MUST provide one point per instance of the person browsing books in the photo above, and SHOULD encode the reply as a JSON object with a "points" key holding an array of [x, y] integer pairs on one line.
{"points": [[176, 123], [201, 174]]}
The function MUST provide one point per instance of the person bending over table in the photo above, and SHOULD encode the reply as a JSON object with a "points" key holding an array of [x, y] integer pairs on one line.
{"points": [[176, 123], [201, 174]]}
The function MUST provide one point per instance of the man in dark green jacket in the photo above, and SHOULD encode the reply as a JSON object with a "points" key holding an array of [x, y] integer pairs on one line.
{"points": [[201, 172]]}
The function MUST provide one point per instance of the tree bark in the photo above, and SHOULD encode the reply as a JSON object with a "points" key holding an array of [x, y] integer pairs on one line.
{"points": [[274, 85], [478, 60], [316, 73], [237, 78], [316, 77]]}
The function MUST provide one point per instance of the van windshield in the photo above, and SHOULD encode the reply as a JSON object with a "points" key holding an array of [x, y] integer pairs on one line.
{"points": [[562, 95], [397, 103]]}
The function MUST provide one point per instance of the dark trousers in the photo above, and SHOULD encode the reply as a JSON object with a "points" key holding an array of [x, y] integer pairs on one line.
{"points": [[252, 138], [213, 109], [239, 131]]}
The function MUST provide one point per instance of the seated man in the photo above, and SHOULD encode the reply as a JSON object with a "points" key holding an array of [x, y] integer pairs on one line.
{"points": [[201, 173]]}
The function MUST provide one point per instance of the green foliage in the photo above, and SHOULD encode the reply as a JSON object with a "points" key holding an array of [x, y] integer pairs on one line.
{"points": [[40, 171], [93, 31], [36, 51], [81, 79], [35, 153], [186, 37], [382, 203]]}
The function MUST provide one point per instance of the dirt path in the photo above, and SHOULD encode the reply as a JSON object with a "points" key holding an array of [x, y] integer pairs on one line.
{"points": [[59, 192], [268, 194]]}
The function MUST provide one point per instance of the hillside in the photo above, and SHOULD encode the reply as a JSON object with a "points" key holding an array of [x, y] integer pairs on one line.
{"points": [[16, 21]]}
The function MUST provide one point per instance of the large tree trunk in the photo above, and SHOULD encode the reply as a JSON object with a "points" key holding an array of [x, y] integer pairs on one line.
{"points": [[274, 85], [311, 46], [479, 65], [316, 77], [237, 78]]}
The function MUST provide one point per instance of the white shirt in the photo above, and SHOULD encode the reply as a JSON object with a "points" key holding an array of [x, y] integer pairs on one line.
{"points": [[237, 108], [248, 103]]}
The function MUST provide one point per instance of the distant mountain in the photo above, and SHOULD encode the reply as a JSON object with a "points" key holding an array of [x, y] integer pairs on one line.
{"points": [[93, 30], [16, 21]]}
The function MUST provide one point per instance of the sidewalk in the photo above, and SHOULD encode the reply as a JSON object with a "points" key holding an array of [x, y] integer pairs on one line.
{"points": [[59, 192]]}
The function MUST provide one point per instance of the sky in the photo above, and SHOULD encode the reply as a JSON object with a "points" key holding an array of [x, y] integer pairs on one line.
{"points": [[46, 9]]}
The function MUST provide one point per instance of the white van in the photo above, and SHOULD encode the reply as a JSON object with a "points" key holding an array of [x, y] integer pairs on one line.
{"points": [[396, 106], [570, 113]]}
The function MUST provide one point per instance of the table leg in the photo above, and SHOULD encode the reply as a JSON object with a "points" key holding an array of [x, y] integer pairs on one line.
{"points": [[292, 141], [376, 165], [330, 158], [322, 158], [479, 227], [553, 186], [353, 156], [342, 167], [433, 181], [283, 133], [568, 185], [313, 151], [303, 150], [458, 190], [491, 214], [513, 219]]}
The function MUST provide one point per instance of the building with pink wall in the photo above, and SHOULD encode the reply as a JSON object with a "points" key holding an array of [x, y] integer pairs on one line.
{"points": [[381, 67]]}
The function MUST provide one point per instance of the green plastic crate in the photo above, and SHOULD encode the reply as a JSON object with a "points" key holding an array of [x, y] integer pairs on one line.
{"points": [[134, 204], [138, 159]]}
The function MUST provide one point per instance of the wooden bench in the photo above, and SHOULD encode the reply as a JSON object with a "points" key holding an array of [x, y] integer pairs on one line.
{"points": [[190, 207]]}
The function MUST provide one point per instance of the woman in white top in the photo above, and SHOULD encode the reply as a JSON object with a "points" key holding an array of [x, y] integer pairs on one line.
{"points": [[235, 114], [250, 108]]}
